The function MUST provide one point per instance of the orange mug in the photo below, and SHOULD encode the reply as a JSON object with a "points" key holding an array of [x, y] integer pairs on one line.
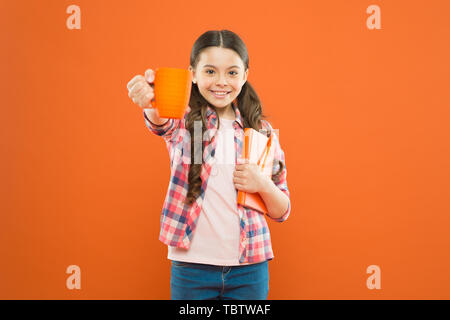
{"points": [[172, 90]]}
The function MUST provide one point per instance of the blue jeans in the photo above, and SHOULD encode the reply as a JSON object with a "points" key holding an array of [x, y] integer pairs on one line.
{"points": [[195, 281]]}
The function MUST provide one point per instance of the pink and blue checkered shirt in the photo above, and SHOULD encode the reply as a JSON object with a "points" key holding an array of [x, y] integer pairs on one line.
{"points": [[178, 220]]}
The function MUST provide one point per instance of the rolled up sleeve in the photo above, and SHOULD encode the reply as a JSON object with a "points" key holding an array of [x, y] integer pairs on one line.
{"points": [[167, 130], [281, 181]]}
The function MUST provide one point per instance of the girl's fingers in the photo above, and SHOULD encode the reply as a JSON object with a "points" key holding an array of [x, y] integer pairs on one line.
{"points": [[134, 81], [242, 161], [148, 97], [135, 90], [140, 100], [137, 86], [238, 180], [141, 89], [144, 99], [149, 75], [237, 174]]}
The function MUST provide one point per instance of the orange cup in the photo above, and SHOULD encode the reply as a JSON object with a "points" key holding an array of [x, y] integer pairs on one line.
{"points": [[172, 89]]}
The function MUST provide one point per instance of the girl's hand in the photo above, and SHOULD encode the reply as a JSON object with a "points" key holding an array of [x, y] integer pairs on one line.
{"points": [[248, 177], [140, 89]]}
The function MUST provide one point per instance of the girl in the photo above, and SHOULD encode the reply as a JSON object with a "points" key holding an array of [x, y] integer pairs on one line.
{"points": [[218, 248]]}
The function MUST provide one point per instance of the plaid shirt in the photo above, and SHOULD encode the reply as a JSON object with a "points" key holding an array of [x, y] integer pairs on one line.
{"points": [[178, 220]]}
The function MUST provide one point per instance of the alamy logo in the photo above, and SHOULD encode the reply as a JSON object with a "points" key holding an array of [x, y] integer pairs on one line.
{"points": [[74, 280], [74, 20], [374, 281], [373, 21]]}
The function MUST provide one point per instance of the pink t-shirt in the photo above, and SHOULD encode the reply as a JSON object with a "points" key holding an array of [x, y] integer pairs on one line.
{"points": [[216, 237]]}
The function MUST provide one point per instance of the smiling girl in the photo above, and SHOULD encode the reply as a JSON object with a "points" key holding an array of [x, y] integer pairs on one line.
{"points": [[218, 248]]}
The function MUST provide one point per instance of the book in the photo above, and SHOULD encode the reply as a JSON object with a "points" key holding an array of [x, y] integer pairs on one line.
{"points": [[258, 149]]}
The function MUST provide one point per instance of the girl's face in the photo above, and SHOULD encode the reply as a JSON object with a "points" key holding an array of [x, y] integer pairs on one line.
{"points": [[219, 76]]}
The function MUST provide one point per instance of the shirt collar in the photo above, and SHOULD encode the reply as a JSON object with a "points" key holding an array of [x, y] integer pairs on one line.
{"points": [[212, 116]]}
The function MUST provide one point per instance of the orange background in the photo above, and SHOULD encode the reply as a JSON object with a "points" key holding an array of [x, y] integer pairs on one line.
{"points": [[363, 117]]}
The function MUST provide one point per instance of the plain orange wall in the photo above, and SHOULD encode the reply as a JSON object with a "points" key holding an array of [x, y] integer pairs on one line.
{"points": [[363, 117]]}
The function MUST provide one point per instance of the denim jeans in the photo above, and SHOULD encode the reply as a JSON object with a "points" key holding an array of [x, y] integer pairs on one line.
{"points": [[195, 281]]}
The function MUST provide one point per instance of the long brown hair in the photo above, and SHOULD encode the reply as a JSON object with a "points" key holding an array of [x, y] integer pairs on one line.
{"points": [[248, 101]]}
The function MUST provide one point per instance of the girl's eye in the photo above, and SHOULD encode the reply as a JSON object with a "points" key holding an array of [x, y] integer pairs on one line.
{"points": [[207, 71]]}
